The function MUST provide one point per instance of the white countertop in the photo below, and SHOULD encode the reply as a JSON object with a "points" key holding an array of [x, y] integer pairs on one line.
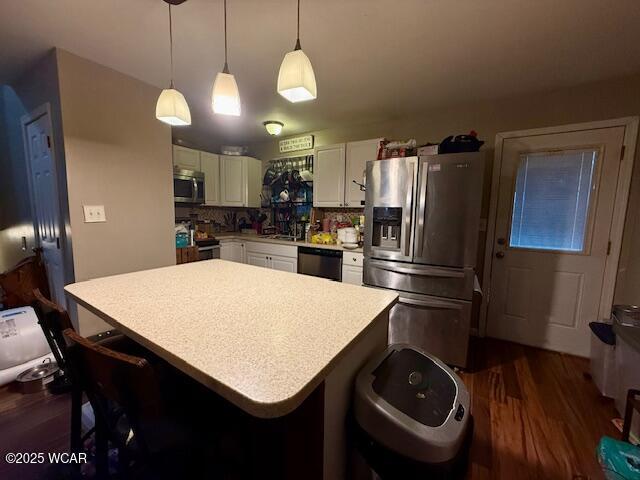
{"points": [[250, 237], [261, 338]]}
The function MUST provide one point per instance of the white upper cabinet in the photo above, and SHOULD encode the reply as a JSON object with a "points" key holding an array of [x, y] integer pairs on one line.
{"points": [[357, 156], [230, 181], [328, 176], [232, 174], [335, 167], [240, 181], [210, 165], [186, 158]]}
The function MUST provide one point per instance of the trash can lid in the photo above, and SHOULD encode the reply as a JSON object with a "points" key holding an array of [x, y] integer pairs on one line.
{"points": [[604, 331], [417, 386]]}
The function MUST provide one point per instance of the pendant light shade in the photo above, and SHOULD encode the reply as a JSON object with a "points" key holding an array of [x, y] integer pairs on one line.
{"points": [[225, 97], [296, 80], [172, 108]]}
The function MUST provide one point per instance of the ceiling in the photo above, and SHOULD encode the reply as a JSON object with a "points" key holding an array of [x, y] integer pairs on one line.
{"points": [[373, 59]]}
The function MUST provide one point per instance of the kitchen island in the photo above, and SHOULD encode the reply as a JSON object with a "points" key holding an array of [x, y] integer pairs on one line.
{"points": [[274, 344]]}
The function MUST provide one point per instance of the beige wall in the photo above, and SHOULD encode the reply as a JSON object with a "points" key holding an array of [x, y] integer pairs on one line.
{"points": [[597, 101], [117, 155]]}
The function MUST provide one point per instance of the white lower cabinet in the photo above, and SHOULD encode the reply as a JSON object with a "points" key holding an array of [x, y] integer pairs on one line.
{"points": [[352, 263], [232, 251], [276, 257], [351, 274], [284, 264], [285, 258], [257, 259]]}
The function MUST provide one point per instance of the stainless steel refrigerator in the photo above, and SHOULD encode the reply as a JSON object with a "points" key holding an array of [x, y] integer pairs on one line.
{"points": [[421, 239]]}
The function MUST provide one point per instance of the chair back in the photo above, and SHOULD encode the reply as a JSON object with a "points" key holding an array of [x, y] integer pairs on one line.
{"points": [[19, 282], [54, 320], [109, 377]]}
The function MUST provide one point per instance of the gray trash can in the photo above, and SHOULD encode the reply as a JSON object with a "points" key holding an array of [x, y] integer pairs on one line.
{"points": [[412, 415]]}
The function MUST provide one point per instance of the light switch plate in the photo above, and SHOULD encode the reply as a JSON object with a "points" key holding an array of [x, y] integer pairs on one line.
{"points": [[94, 213]]}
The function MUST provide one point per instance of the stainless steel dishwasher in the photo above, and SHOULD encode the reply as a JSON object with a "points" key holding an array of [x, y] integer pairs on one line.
{"points": [[320, 262]]}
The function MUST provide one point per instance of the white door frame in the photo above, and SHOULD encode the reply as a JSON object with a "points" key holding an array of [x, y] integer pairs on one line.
{"points": [[619, 210], [25, 120]]}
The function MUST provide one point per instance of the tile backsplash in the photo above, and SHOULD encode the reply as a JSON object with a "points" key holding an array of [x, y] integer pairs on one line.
{"points": [[344, 212], [216, 214]]}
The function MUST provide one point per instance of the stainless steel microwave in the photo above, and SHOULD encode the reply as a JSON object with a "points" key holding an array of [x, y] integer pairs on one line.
{"points": [[188, 186]]}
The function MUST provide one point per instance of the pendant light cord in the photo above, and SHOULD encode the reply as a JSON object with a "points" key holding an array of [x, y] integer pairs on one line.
{"points": [[171, 46], [298, 47], [226, 67]]}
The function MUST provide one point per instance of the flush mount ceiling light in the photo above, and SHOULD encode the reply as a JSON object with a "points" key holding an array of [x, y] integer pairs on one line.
{"points": [[171, 106], [296, 80], [273, 127], [225, 98]]}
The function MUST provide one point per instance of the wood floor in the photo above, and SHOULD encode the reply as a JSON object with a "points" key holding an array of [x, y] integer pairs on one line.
{"points": [[38, 422], [537, 416]]}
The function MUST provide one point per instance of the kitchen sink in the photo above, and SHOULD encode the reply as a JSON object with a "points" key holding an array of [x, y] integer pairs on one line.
{"points": [[280, 237]]}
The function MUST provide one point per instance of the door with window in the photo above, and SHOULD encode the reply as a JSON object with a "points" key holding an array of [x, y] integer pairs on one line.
{"points": [[554, 212]]}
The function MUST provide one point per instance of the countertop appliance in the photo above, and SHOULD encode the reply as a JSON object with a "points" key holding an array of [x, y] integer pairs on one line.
{"points": [[208, 248], [188, 186], [422, 241], [320, 262]]}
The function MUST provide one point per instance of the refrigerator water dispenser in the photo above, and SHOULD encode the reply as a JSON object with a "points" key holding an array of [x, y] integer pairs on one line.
{"points": [[387, 227]]}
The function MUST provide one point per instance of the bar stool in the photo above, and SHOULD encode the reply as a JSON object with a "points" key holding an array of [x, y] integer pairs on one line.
{"points": [[156, 430], [53, 320]]}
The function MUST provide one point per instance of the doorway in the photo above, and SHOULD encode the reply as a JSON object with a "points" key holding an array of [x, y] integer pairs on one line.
{"points": [[558, 203], [45, 200]]}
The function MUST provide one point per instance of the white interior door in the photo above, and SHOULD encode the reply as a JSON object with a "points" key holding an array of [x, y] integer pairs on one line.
{"points": [[555, 206], [46, 203]]}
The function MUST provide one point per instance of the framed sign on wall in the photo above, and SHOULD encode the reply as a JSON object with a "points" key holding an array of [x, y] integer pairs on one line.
{"points": [[296, 143]]}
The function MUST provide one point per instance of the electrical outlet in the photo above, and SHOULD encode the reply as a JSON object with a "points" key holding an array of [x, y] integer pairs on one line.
{"points": [[94, 213]]}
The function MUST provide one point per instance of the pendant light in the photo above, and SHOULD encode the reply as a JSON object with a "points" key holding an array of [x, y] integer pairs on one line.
{"points": [[225, 98], [171, 106], [296, 80]]}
